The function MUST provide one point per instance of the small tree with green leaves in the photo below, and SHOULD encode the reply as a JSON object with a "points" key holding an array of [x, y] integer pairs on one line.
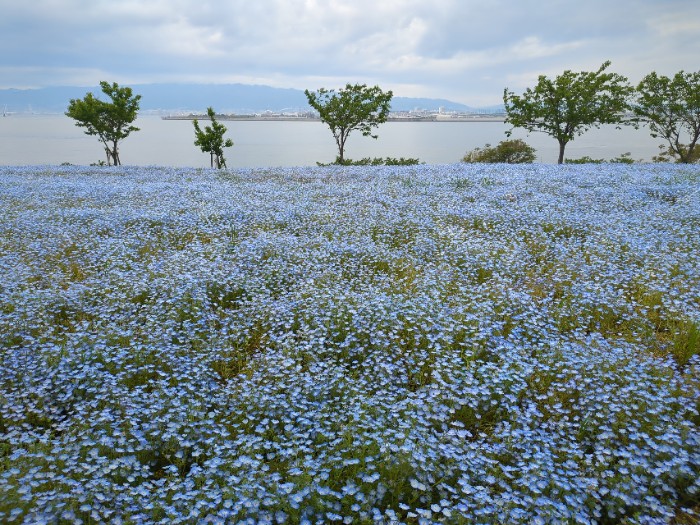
{"points": [[356, 107], [211, 140], [671, 107], [110, 121], [515, 151], [569, 105]]}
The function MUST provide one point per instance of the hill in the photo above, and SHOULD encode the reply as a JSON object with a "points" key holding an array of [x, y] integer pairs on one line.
{"points": [[226, 98]]}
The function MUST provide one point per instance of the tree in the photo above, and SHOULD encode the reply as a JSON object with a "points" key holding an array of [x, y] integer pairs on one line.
{"points": [[357, 107], [671, 106], [211, 140], [569, 105], [508, 151], [110, 121]]}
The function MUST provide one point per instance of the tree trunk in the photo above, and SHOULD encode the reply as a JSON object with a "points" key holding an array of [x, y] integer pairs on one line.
{"points": [[341, 152], [340, 141], [678, 147], [688, 158], [691, 148], [115, 154], [562, 146]]}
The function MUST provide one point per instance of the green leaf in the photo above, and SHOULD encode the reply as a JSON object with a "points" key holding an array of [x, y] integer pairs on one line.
{"points": [[356, 107]]}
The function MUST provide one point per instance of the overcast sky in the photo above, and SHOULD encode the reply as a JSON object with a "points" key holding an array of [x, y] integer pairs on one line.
{"points": [[463, 50]]}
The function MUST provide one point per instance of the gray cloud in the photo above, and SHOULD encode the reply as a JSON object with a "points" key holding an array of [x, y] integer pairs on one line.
{"points": [[465, 50]]}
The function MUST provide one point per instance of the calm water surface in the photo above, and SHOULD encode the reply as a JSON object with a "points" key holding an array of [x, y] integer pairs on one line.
{"points": [[54, 139]]}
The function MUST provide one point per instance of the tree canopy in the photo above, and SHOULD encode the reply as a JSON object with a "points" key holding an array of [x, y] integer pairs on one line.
{"points": [[211, 140], [569, 105], [110, 121], [356, 107], [670, 107]]}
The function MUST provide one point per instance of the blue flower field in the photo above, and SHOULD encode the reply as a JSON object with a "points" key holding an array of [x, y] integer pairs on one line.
{"points": [[458, 344]]}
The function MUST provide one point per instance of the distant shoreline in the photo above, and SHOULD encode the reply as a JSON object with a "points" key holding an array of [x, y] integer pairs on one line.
{"points": [[281, 118]]}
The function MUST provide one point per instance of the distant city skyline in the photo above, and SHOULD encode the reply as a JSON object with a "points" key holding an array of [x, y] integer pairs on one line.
{"points": [[466, 51]]}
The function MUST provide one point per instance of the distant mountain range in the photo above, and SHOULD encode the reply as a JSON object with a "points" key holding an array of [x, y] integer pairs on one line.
{"points": [[224, 98]]}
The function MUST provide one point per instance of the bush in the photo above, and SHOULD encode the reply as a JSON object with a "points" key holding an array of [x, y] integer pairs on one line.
{"points": [[508, 151], [376, 161], [625, 158], [666, 154]]}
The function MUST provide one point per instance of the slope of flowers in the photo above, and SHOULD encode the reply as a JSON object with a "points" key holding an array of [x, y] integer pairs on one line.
{"points": [[431, 344]]}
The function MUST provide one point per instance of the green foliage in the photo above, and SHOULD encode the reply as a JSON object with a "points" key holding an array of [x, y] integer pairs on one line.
{"points": [[685, 340], [356, 107], [508, 151], [569, 105], [110, 121], [668, 155], [584, 160], [376, 161], [625, 158], [211, 140], [671, 107]]}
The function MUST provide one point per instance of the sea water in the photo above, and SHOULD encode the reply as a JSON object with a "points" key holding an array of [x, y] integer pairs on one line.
{"points": [[55, 139]]}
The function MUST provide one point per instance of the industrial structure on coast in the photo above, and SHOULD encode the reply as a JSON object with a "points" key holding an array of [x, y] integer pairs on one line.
{"points": [[417, 115]]}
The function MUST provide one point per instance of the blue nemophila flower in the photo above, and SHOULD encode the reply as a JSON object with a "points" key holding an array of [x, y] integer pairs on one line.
{"points": [[432, 344]]}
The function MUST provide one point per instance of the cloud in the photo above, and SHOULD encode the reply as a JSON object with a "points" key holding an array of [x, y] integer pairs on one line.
{"points": [[464, 61], [464, 49], [675, 25]]}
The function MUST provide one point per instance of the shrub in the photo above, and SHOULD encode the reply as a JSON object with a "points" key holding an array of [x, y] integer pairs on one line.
{"points": [[507, 151], [625, 158], [668, 155], [376, 161]]}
